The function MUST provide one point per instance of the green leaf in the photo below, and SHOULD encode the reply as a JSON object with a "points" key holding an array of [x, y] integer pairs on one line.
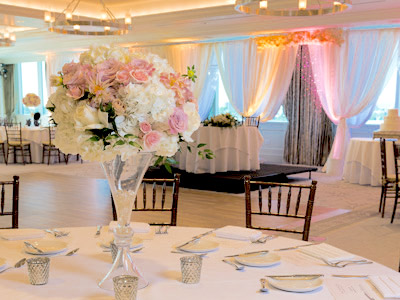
{"points": [[201, 145], [158, 161], [94, 138], [168, 168], [208, 156], [189, 149], [134, 144], [128, 135], [171, 161], [120, 142]]}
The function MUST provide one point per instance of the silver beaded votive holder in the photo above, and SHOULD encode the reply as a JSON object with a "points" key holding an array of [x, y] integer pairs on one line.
{"points": [[38, 270], [191, 268], [125, 287]]}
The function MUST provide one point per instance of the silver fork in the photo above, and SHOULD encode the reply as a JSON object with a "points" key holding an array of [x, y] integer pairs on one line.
{"points": [[229, 262], [343, 263], [98, 230], [263, 239]]}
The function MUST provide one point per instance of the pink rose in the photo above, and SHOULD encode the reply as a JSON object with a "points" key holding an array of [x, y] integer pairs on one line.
{"points": [[123, 77], [108, 69], [139, 76], [73, 74], [178, 121], [151, 139], [145, 127], [139, 63], [76, 91]]}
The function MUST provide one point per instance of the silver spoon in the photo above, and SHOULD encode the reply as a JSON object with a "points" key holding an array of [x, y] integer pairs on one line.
{"points": [[72, 252], [238, 267], [17, 265], [98, 230], [264, 288]]}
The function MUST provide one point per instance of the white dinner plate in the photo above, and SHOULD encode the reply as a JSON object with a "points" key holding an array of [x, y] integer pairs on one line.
{"points": [[136, 243], [259, 259], [202, 246], [2, 263], [47, 246], [296, 284]]}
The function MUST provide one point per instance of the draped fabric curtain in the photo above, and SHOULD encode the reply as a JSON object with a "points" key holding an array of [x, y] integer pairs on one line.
{"points": [[309, 134], [10, 97], [54, 64], [256, 81], [208, 94], [182, 56], [349, 80]]}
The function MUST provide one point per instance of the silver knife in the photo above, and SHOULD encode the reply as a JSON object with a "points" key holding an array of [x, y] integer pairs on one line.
{"points": [[33, 247], [295, 275], [195, 238], [292, 248], [246, 253], [350, 276]]}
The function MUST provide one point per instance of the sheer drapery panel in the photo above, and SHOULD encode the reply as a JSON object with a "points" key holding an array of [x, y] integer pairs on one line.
{"points": [[349, 80]]}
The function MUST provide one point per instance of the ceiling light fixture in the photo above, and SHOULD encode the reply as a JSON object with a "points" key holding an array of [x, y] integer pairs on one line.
{"points": [[292, 8], [7, 39], [69, 23]]}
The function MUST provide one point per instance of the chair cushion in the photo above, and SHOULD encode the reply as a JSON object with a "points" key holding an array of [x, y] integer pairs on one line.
{"points": [[17, 143]]}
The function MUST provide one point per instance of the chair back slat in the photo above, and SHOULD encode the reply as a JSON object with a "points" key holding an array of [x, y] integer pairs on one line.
{"points": [[382, 142], [160, 184], [15, 199], [275, 194], [164, 186], [144, 195], [154, 194], [289, 196], [52, 134], [269, 199], [2, 198], [13, 133], [279, 200], [298, 202], [260, 198]]}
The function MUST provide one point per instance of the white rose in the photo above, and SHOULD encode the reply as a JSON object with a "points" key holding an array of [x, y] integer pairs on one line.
{"points": [[193, 121], [168, 145], [87, 117]]}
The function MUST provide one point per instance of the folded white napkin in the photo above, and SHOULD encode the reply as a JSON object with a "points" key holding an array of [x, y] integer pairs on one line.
{"points": [[327, 252], [388, 286], [21, 234], [238, 233], [137, 227]]}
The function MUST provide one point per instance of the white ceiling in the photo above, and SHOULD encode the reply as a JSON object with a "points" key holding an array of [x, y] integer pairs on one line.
{"points": [[173, 21]]}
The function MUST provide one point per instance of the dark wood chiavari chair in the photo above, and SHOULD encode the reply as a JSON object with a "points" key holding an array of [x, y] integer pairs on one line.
{"points": [[2, 143], [15, 143], [388, 189], [153, 205], [396, 153], [49, 149], [251, 121], [288, 211], [15, 197]]}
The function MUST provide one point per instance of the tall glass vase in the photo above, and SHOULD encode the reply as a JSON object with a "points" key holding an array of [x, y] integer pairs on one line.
{"points": [[124, 176]]}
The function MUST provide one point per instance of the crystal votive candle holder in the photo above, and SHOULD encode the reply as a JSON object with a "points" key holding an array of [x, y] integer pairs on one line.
{"points": [[125, 287], [38, 270], [191, 268]]}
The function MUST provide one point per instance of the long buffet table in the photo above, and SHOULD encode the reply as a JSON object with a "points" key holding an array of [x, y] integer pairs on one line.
{"points": [[76, 277]]}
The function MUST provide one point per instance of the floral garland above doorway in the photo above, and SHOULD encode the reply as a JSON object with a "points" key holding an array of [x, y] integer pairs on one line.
{"points": [[302, 37]]}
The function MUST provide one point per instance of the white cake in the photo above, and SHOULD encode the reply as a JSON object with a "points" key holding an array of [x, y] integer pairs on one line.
{"points": [[392, 121]]}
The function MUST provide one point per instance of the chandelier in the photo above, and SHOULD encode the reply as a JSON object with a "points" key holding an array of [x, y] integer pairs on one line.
{"points": [[106, 24], [292, 8], [7, 39]]}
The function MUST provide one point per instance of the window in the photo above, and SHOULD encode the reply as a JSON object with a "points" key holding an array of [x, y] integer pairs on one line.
{"points": [[31, 79], [386, 100], [222, 105]]}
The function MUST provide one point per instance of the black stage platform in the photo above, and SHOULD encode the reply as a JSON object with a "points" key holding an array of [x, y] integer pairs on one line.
{"points": [[231, 182]]}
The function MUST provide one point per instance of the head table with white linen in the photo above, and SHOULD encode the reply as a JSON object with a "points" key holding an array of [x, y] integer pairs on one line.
{"points": [[235, 149], [76, 277]]}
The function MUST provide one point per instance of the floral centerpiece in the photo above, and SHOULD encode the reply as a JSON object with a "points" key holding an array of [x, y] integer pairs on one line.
{"points": [[122, 108], [222, 120], [31, 100]]}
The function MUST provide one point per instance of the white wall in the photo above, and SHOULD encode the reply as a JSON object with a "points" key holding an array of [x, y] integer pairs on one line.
{"points": [[274, 139]]}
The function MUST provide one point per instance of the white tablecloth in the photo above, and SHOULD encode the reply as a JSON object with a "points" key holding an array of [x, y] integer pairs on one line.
{"points": [[37, 135], [76, 277], [363, 161], [235, 149]]}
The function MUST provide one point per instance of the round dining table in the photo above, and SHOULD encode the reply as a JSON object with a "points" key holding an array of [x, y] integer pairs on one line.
{"points": [[76, 277]]}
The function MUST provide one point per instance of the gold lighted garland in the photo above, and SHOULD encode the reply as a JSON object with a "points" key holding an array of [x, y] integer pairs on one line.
{"points": [[302, 37]]}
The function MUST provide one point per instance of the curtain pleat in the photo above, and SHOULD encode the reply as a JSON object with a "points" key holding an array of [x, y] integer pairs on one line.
{"points": [[309, 134], [9, 92]]}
